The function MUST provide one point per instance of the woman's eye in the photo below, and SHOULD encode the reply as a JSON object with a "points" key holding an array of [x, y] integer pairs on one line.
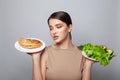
{"points": [[59, 27], [50, 29]]}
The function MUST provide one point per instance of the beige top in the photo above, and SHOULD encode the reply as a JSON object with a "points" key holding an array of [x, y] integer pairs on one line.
{"points": [[63, 64]]}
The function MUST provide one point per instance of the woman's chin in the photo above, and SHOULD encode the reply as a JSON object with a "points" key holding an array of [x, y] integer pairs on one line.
{"points": [[57, 42]]}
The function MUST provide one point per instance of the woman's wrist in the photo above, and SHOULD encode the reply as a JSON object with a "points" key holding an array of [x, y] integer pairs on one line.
{"points": [[35, 58], [36, 55]]}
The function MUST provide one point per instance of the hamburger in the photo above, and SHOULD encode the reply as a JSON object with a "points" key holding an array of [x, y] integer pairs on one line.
{"points": [[29, 43]]}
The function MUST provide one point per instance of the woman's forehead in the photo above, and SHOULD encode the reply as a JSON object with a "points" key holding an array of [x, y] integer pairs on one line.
{"points": [[55, 22]]}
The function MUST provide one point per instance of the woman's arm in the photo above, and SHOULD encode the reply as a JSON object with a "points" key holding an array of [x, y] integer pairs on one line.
{"points": [[44, 58], [36, 66], [39, 60], [87, 70]]}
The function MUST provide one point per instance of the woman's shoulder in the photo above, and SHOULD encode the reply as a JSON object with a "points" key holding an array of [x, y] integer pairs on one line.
{"points": [[77, 49], [80, 51], [47, 49]]}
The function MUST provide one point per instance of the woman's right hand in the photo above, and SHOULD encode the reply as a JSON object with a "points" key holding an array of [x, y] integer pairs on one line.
{"points": [[35, 54]]}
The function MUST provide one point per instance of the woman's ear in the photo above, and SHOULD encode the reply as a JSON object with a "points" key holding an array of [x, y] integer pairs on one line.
{"points": [[70, 27]]}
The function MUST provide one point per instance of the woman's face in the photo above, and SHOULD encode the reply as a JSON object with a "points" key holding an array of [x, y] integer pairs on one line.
{"points": [[59, 30]]}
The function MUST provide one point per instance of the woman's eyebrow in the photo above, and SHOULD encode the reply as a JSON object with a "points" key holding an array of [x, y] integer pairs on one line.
{"points": [[50, 26], [58, 24]]}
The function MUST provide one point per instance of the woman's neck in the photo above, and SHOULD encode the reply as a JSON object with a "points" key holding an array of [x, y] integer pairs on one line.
{"points": [[64, 45]]}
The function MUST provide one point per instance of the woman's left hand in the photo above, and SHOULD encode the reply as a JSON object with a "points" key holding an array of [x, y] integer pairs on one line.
{"points": [[90, 61]]}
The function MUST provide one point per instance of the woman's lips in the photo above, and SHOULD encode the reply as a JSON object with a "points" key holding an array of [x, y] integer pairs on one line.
{"points": [[55, 37]]}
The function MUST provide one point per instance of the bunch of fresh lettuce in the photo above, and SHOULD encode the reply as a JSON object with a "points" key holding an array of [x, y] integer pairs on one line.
{"points": [[98, 52]]}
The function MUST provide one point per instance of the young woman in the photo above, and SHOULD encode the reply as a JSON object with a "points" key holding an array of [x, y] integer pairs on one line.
{"points": [[62, 60]]}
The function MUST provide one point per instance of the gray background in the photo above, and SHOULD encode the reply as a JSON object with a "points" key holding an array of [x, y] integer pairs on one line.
{"points": [[95, 21]]}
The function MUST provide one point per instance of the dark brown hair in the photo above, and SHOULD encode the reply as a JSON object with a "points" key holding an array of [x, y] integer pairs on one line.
{"points": [[61, 15]]}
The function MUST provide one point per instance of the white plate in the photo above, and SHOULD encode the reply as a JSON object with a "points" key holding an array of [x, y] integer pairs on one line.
{"points": [[84, 54], [18, 47]]}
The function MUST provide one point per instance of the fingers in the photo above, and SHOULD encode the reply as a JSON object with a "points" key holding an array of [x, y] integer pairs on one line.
{"points": [[39, 52], [90, 61], [35, 53]]}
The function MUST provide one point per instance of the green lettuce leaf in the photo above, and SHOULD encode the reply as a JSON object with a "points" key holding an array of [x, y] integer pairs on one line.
{"points": [[97, 52]]}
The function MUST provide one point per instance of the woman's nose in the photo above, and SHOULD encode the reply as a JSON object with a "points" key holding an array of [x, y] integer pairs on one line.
{"points": [[54, 31]]}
